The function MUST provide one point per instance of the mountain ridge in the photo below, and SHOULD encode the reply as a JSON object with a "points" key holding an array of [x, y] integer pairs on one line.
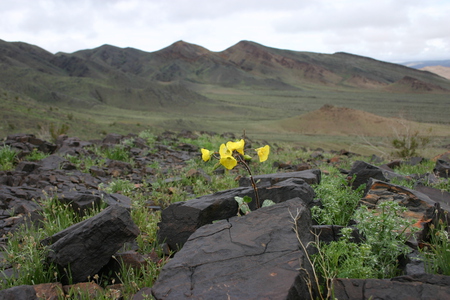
{"points": [[135, 79]]}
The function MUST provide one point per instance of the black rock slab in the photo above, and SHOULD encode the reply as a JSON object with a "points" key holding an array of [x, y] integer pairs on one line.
{"points": [[181, 219], [19, 292], [309, 176], [256, 256], [362, 172], [84, 248], [424, 286]]}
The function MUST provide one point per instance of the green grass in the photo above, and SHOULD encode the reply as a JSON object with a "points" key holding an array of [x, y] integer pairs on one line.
{"points": [[339, 201], [256, 111], [7, 158], [437, 252]]}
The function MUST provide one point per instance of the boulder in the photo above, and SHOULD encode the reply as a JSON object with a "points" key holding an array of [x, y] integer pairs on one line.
{"points": [[362, 171], [423, 286], [181, 219], [19, 292], [256, 256], [84, 248], [434, 194], [442, 168], [309, 176]]}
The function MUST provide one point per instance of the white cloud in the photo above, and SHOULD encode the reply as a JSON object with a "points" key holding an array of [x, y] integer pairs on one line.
{"points": [[394, 30]]}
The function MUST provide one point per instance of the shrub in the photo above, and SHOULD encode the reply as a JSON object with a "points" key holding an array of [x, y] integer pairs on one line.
{"points": [[407, 145], [339, 200], [386, 231], [55, 132], [436, 254], [7, 158], [36, 155]]}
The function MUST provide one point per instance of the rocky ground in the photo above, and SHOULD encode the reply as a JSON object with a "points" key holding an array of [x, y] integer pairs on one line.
{"points": [[219, 256]]}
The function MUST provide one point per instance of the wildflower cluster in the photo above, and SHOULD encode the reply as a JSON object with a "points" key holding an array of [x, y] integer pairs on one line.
{"points": [[232, 153]]}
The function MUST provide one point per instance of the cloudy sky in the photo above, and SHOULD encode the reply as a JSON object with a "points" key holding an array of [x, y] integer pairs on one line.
{"points": [[389, 30]]}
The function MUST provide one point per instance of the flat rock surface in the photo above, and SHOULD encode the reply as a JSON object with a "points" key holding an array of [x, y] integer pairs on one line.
{"points": [[256, 256]]}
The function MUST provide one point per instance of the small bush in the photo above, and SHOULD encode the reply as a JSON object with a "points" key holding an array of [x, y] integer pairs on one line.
{"points": [[55, 132], [386, 231], [407, 145], [339, 200], [7, 158], [36, 155], [436, 254]]}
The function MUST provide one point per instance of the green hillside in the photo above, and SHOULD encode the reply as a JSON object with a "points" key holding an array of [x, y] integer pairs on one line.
{"points": [[184, 86]]}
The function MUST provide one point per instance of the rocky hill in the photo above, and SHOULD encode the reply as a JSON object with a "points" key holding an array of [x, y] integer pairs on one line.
{"points": [[440, 70], [134, 79]]}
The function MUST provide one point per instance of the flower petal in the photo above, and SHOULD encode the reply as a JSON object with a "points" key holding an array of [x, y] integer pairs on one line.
{"points": [[206, 154], [224, 151], [228, 162], [238, 146], [263, 153]]}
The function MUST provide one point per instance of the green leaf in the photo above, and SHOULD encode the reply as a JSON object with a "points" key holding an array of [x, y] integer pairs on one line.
{"points": [[268, 202], [247, 199], [243, 206]]}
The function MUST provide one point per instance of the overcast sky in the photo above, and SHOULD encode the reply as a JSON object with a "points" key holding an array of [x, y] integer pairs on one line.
{"points": [[389, 30]]}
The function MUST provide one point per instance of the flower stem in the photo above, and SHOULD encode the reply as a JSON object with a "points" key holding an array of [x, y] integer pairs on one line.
{"points": [[255, 189]]}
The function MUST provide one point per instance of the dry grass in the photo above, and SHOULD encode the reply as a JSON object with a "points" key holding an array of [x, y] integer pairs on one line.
{"points": [[440, 70], [342, 121]]}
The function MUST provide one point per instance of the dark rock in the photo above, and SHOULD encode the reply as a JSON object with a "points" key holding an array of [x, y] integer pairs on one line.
{"points": [[128, 259], [361, 172], [424, 286], [19, 292], [392, 164], [442, 168], [414, 265], [181, 219], [117, 168], [28, 142], [116, 199], [414, 161], [332, 233], [97, 171], [70, 145], [52, 162], [143, 294], [435, 194], [27, 166], [84, 248], [112, 138], [82, 201], [256, 256], [310, 176]]}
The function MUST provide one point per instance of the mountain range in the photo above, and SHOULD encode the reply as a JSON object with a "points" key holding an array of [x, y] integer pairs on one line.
{"points": [[174, 76], [427, 63]]}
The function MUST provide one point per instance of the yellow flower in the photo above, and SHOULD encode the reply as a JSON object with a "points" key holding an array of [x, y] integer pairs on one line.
{"points": [[224, 151], [228, 162], [238, 146], [226, 158], [206, 154], [263, 153]]}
